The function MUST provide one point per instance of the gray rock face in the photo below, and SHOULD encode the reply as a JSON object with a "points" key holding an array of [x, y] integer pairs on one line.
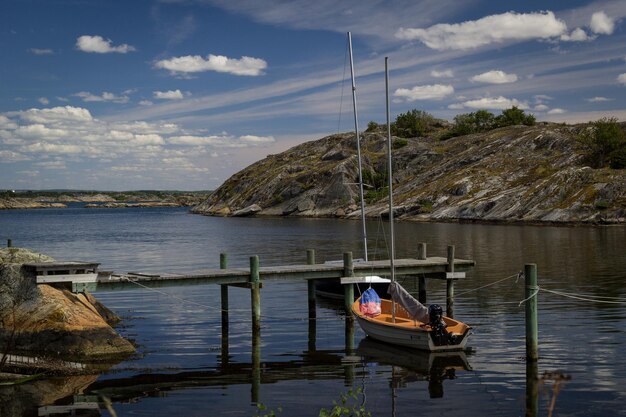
{"points": [[512, 174]]}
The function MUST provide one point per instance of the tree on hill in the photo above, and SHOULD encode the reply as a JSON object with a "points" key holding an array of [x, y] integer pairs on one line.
{"points": [[604, 143], [484, 121], [413, 123], [514, 116]]}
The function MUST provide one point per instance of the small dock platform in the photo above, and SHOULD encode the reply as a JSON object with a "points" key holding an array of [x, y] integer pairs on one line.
{"points": [[433, 267]]}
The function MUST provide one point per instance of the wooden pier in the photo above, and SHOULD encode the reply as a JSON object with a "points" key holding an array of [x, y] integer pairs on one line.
{"points": [[447, 268]]}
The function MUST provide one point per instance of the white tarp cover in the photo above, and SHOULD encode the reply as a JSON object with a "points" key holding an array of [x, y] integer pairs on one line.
{"points": [[416, 310]]}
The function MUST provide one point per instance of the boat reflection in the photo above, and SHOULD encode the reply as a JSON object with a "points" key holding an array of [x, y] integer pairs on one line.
{"points": [[410, 365]]}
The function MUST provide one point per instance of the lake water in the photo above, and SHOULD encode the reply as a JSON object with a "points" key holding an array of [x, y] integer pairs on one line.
{"points": [[183, 367]]}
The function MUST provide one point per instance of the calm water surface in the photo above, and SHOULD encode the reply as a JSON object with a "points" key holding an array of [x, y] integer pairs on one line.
{"points": [[184, 369]]}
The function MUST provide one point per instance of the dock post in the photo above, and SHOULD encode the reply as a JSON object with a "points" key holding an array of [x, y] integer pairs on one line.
{"points": [[310, 260], [348, 299], [532, 389], [532, 338], [421, 251], [255, 290], [450, 284], [421, 283], [224, 299], [348, 289], [255, 389], [9, 243]]}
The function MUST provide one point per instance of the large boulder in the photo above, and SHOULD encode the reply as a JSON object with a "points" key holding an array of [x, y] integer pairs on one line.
{"points": [[41, 320]]}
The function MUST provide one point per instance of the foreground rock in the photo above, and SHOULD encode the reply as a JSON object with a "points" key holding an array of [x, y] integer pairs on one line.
{"points": [[43, 321], [512, 174]]}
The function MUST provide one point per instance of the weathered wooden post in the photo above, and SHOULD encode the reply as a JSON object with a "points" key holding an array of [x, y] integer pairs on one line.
{"points": [[224, 299], [348, 289], [532, 389], [9, 243], [255, 291], [421, 283], [348, 299], [450, 283], [532, 338], [310, 260], [421, 251], [256, 366]]}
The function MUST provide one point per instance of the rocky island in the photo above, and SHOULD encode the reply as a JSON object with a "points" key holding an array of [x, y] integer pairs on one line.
{"points": [[518, 173], [109, 199]]}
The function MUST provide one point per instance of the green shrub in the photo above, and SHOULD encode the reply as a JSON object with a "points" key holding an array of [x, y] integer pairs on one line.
{"points": [[372, 126], [604, 143], [399, 143], [514, 116], [413, 123]]}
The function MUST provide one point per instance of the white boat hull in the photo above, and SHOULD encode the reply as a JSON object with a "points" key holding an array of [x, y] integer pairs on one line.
{"points": [[407, 332]]}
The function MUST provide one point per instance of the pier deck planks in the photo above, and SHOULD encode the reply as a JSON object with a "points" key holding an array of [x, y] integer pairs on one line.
{"points": [[433, 267]]}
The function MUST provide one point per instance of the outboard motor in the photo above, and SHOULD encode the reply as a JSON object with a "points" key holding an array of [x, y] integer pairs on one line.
{"points": [[439, 333]]}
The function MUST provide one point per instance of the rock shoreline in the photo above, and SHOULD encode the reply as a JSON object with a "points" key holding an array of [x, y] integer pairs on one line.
{"points": [[510, 175]]}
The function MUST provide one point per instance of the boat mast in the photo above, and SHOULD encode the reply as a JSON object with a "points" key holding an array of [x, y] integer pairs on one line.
{"points": [[358, 148], [392, 247], [392, 255]]}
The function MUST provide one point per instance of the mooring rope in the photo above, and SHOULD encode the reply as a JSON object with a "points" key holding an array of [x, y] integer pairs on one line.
{"points": [[184, 300], [584, 297], [489, 285]]}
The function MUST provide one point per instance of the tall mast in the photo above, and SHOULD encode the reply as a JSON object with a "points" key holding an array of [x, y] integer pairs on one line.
{"points": [[358, 148], [392, 255]]}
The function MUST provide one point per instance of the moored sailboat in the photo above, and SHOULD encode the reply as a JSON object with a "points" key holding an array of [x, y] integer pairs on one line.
{"points": [[409, 323]]}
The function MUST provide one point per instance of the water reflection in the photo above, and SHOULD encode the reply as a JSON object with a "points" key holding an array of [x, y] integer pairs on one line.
{"points": [[411, 365], [87, 396]]}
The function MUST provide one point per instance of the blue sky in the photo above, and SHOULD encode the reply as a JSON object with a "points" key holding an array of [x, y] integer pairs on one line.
{"points": [[181, 94]]}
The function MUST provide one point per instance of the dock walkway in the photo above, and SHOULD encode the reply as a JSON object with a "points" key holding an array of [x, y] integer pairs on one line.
{"points": [[433, 267]]}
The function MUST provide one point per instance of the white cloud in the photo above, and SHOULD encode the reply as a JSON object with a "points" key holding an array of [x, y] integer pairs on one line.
{"points": [[542, 97], [622, 78], [577, 35], [43, 100], [602, 24], [425, 92], [97, 44], [598, 99], [56, 115], [145, 103], [10, 156], [557, 111], [541, 107], [495, 77], [497, 103], [169, 95], [38, 51], [499, 28], [105, 96], [221, 141], [191, 64], [257, 139], [442, 74]]}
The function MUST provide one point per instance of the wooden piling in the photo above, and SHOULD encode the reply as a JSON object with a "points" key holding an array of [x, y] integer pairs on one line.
{"points": [[348, 289], [310, 260], [532, 338], [224, 304], [9, 243], [224, 292], [421, 283], [421, 251], [450, 284], [255, 293]]}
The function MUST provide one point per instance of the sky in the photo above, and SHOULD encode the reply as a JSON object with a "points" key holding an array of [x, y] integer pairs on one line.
{"points": [[182, 94]]}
